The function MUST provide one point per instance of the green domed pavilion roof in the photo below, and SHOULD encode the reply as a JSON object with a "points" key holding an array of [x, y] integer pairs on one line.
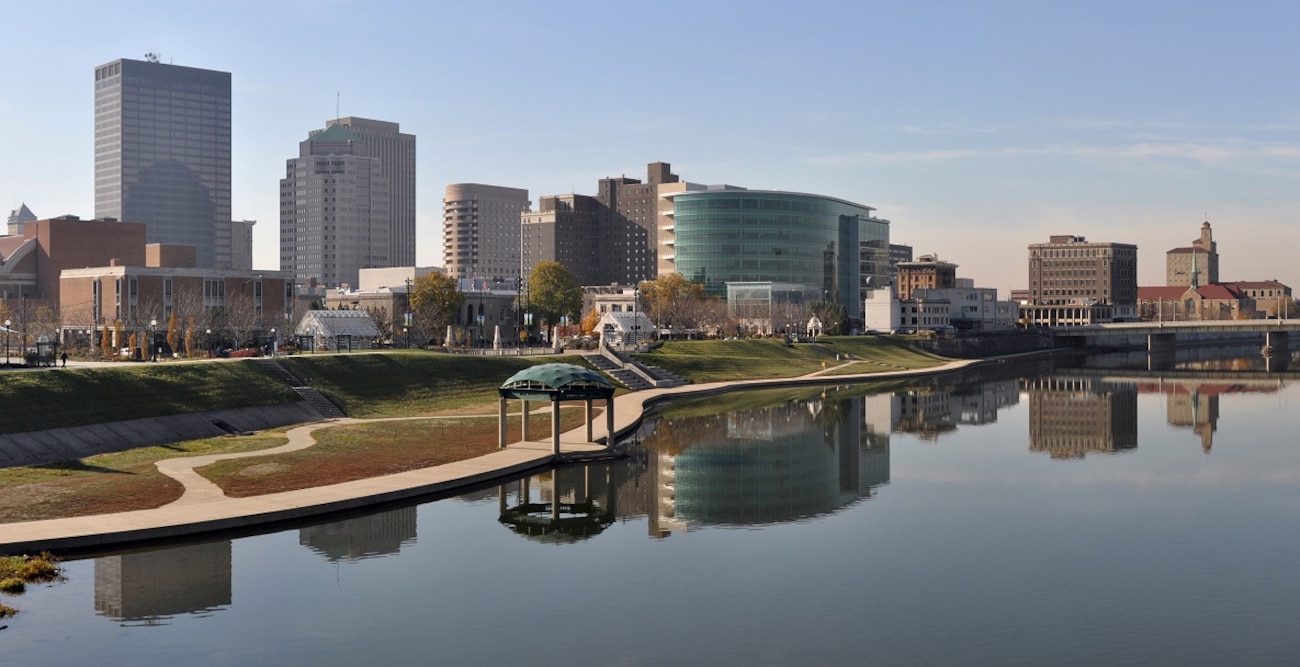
{"points": [[569, 381]]}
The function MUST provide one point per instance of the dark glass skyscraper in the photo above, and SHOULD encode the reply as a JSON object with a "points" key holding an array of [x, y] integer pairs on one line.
{"points": [[162, 151]]}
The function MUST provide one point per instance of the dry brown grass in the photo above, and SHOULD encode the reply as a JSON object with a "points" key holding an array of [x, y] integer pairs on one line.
{"points": [[348, 453]]}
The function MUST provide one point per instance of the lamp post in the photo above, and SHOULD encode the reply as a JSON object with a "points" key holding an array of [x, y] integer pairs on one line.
{"points": [[153, 351], [207, 341], [275, 342], [406, 331], [636, 320], [7, 323]]}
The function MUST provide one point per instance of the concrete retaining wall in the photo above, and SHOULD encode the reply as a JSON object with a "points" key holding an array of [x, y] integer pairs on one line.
{"points": [[67, 444]]}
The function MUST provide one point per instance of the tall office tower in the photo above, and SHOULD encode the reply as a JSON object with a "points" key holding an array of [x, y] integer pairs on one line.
{"points": [[18, 218], [630, 235], [235, 245], [480, 231], [162, 151], [565, 229], [334, 216], [396, 154]]}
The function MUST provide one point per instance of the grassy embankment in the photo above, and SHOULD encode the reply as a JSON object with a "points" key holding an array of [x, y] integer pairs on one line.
{"points": [[398, 383], [720, 360], [391, 384]]}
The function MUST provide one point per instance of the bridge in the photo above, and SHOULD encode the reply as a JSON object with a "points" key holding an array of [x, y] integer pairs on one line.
{"points": [[1163, 337]]}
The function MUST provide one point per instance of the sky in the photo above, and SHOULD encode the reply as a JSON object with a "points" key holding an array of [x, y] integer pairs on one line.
{"points": [[976, 128]]}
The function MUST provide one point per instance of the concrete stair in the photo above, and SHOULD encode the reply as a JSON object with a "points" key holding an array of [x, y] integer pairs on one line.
{"points": [[625, 377], [314, 398]]}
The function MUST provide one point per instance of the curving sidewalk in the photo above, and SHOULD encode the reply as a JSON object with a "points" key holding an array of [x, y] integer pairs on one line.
{"points": [[204, 508]]}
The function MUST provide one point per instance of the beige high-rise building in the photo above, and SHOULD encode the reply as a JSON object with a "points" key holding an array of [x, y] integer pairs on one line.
{"points": [[565, 229], [235, 245], [395, 151], [480, 231], [334, 210]]}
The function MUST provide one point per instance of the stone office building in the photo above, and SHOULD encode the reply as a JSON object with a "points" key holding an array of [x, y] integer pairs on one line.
{"points": [[1074, 282]]}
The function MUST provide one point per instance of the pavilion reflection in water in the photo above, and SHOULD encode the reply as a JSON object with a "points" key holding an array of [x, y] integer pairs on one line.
{"points": [[150, 587]]}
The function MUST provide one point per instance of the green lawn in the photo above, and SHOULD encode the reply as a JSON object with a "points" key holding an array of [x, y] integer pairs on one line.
{"points": [[718, 360], [408, 383], [35, 400]]}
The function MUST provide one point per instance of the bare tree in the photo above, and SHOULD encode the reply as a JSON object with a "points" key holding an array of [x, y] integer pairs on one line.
{"points": [[240, 319], [383, 322], [195, 318]]}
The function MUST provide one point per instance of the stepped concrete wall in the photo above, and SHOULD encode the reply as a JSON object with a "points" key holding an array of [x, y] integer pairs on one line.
{"points": [[75, 442]]}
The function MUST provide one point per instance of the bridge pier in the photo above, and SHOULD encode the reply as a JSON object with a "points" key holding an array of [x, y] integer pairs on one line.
{"points": [[1277, 342], [1161, 343]]}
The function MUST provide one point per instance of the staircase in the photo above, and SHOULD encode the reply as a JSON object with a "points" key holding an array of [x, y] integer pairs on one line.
{"points": [[623, 376], [632, 373], [314, 398]]}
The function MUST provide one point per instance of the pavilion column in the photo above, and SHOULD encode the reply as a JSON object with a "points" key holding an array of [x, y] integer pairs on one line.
{"points": [[501, 423], [588, 413], [524, 418], [555, 424], [609, 421]]}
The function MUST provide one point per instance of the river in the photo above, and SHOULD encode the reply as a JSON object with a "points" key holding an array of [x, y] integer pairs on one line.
{"points": [[1085, 513]]}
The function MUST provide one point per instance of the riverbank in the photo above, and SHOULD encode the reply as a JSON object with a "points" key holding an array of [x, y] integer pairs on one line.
{"points": [[207, 511]]}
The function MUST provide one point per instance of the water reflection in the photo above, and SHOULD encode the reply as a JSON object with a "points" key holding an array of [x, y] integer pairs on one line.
{"points": [[150, 587], [1070, 417], [929, 412], [765, 464], [747, 459], [560, 506], [369, 536]]}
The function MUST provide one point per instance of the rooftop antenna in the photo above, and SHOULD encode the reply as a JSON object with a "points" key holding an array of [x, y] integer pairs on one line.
{"points": [[151, 57]]}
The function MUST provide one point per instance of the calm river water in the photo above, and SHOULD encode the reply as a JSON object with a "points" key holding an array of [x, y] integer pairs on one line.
{"points": [[1014, 516]]}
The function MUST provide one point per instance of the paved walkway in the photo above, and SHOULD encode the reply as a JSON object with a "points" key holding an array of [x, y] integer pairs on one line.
{"points": [[203, 507]]}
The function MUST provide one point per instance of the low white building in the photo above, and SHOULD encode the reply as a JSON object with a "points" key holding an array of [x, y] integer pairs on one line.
{"points": [[882, 311], [962, 308], [632, 328], [973, 308], [337, 330]]}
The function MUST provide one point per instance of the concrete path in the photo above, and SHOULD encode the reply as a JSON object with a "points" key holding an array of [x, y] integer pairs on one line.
{"points": [[204, 508]]}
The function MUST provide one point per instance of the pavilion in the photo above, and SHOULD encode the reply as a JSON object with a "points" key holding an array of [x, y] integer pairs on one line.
{"points": [[557, 383]]}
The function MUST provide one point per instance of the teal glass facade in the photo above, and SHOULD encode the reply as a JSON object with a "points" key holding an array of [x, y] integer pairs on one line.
{"points": [[832, 247]]}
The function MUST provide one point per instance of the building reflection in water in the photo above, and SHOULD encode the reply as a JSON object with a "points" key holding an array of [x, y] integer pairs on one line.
{"points": [[768, 464], [1071, 417], [370, 536], [150, 587], [930, 412]]}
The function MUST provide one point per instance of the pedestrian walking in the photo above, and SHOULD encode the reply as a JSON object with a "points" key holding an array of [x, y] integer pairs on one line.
{"points": [[64, 358]]}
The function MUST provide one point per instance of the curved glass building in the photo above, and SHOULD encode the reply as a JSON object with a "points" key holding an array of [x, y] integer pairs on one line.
{"points": [[829, 247]]}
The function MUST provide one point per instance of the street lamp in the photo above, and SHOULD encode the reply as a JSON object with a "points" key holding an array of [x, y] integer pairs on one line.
{"points": [[207, 341], [153, 352], [275, 342], [406, 331], [7, 323]]}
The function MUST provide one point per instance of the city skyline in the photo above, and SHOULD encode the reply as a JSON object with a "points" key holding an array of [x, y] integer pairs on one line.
{"points": [[977, 129]]}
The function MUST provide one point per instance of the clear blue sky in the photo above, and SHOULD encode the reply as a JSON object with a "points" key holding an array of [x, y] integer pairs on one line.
{"points": [[977, 128]]}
